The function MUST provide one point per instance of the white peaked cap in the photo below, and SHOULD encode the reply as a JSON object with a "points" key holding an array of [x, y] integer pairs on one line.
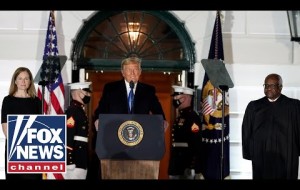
{"points": [[189, 91], [80, 85], [182, 90]]}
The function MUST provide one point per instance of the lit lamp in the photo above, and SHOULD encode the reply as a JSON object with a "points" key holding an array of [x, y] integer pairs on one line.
{"points": [[133, 31], [294, 23]]}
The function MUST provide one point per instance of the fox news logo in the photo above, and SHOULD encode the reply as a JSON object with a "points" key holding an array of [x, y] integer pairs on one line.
{"points": [[36, 144]]}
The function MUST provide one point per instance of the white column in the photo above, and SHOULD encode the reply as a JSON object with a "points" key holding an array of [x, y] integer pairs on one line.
{"points": [[197, 73], [82, 75], [183, 78]]}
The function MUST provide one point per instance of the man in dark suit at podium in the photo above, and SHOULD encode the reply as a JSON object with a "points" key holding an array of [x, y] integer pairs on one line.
{"points": [[115, 98]]}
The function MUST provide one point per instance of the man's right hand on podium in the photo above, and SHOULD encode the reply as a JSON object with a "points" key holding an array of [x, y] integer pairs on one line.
{"points": [[96, 123]]}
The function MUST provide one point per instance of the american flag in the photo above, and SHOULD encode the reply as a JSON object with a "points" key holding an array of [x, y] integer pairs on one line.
{"points": [[212, 117], [54, 95]]}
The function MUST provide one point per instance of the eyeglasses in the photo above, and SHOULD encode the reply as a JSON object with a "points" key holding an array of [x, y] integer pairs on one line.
{"points": [[272, 86]]}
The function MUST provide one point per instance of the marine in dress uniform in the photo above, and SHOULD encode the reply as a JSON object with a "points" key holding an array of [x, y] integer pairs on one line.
{"points": [[186, 137], [77, 132]]}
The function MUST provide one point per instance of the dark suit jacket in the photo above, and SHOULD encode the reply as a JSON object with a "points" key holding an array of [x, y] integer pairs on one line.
{"points": [[114, 100]]}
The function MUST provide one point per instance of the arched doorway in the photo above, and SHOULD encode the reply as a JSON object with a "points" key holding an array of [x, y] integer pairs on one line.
{"points": [[157, 37]]}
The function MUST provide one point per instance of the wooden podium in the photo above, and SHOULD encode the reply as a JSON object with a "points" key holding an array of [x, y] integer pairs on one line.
{"points": [[129, 169], [130, 146]]}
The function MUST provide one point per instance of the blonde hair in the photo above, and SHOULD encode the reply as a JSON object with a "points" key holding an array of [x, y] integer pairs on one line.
{"points": [[131, 60], [13, 87]]}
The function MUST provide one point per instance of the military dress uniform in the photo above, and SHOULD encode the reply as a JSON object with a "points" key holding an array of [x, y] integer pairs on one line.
{"points": [[186, 144], [77, 135], [77, 141]]}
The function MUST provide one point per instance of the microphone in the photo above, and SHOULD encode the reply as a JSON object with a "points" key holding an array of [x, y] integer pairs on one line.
{"points": [[131, 84]]}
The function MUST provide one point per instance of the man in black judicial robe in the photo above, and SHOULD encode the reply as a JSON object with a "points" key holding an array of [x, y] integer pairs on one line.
{"points": [[270, 133]]}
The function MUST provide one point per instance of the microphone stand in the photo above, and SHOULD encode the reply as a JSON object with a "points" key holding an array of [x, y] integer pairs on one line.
{"points": [[43, 83], [224, 89]]}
